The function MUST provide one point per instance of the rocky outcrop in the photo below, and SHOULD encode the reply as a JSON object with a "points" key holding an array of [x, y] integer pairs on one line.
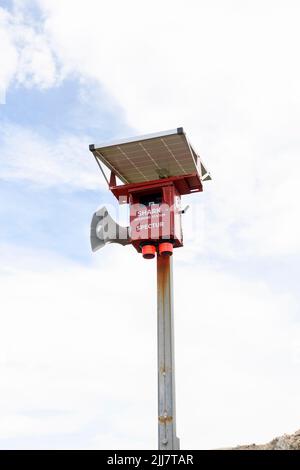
{"points": [[285, 442]]}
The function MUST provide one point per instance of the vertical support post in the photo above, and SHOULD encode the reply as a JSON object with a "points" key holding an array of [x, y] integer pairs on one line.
{"points": [[167, 439]]}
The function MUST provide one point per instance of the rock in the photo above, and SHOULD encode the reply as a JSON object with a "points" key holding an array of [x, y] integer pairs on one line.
{"points": [[285, 442]]}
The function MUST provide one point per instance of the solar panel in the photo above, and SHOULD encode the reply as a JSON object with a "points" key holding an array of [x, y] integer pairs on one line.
{"points": [[151, 157]]}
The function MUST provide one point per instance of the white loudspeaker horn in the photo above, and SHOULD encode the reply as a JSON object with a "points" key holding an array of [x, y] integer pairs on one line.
{"points": [[105, 230]]}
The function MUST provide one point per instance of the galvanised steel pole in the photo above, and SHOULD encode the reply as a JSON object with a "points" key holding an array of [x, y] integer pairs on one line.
{"points": [[167, 439]]}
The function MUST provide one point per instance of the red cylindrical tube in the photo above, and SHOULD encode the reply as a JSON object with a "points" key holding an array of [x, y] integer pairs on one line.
{"points": [[165, 249], [148, 251]]}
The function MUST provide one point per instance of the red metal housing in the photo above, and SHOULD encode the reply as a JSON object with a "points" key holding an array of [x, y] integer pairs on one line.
{"points": [[155, 208]]}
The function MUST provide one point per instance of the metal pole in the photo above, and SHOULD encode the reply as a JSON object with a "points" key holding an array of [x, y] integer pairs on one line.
{"points": [[167, 439]]}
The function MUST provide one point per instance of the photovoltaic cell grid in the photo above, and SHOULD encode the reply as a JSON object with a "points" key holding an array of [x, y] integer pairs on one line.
{"points": [[151, 158]]}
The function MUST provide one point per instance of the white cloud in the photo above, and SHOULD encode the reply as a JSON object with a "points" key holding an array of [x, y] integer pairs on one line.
{"points": [[166, 63], [26, 57], [36, 65], [8, 55], [82, 342], [28, 156]]}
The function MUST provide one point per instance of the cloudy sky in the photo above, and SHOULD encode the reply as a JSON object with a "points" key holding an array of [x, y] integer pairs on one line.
{"points": [[78, 330]]}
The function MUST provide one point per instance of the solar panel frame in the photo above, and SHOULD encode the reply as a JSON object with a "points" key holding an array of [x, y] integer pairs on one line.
{"points": [[150, 157]]}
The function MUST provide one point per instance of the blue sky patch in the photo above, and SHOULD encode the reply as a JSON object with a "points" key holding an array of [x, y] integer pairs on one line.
{"points": [[69, 107]]}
